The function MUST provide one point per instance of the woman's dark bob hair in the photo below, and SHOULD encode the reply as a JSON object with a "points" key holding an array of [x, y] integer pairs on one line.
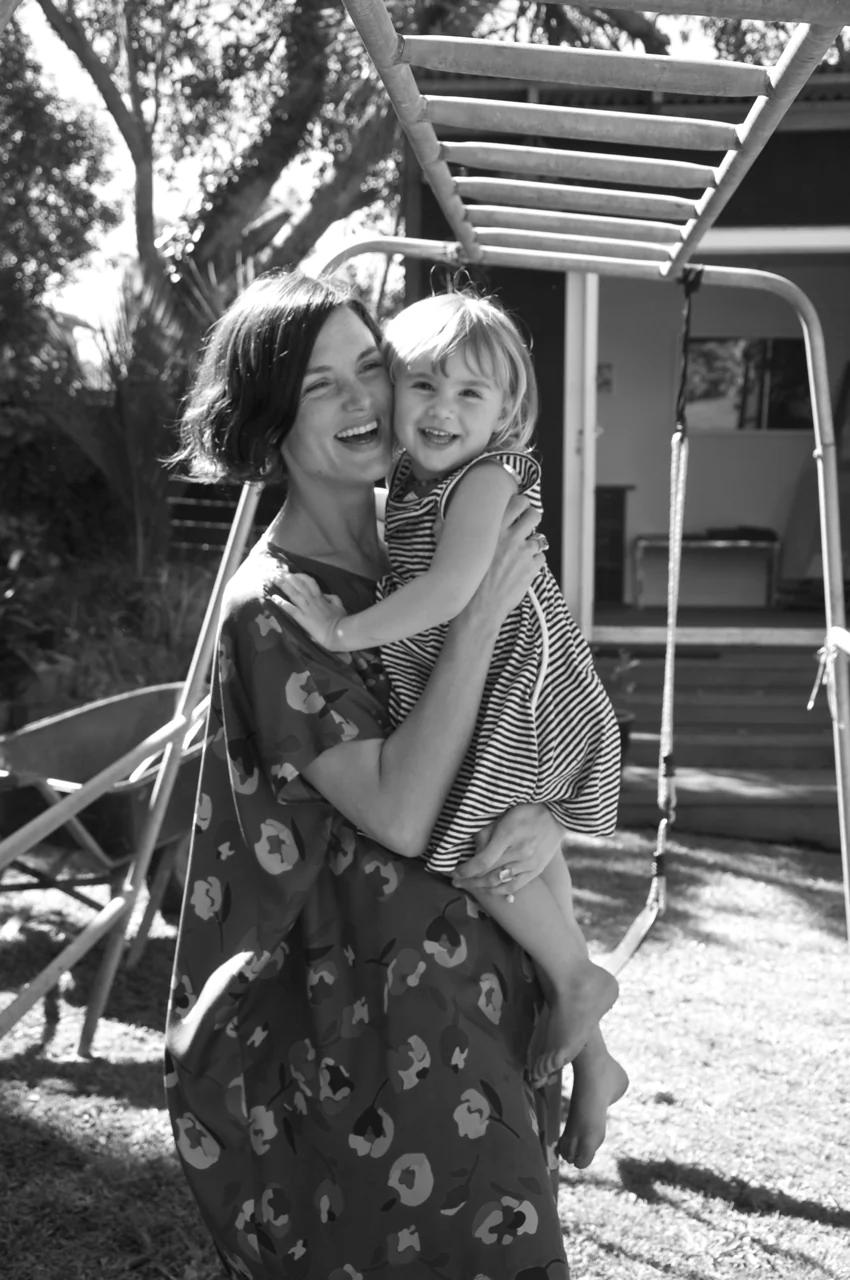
{"points": [[247, 386]]}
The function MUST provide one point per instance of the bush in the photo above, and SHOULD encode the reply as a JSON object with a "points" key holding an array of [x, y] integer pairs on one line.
{"points": [[94, 629]]}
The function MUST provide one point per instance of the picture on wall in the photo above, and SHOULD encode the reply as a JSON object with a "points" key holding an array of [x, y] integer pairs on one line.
{"points": [[747, 384]]}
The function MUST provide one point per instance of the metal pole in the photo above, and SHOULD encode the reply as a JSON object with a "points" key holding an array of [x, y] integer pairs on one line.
{"points": [[196, 677]]}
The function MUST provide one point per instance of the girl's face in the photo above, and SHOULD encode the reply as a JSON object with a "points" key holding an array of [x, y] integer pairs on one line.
{"points": [[342, 430], [445, 417]]}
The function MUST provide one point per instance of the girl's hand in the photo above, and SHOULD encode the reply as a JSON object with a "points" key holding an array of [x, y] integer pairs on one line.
{"points": [[512, 851], [318, 614], [518, 558]]}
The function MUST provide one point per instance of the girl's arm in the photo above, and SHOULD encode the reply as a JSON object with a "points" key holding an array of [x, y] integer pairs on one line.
{"points": [[467, 542], [393, 789]]}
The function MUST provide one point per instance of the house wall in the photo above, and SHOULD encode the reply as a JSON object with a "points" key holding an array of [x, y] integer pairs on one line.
{"points": [[734, 478], [752, 478]]}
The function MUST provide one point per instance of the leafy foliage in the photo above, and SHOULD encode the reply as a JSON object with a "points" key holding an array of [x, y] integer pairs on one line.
{"points": [[53, 161]]}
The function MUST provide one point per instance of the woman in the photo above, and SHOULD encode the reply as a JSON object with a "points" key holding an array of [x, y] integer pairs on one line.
{"points": [[348, 1034]]}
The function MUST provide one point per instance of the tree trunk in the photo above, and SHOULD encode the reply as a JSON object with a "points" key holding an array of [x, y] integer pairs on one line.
{"points": [[240, 199], [7, 8], [346, 190]]}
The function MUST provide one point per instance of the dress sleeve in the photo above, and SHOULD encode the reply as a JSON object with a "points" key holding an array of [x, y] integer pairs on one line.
{"points": [[285, 700]]}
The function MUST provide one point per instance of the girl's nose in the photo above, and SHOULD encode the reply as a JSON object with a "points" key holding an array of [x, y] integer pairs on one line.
{"points": [[441, 408]]}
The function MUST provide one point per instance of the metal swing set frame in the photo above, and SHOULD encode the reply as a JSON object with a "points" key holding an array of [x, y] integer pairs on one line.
{"points": [[577, 212]]}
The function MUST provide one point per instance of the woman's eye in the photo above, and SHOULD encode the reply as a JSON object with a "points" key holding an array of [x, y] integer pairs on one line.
{"points": [[319, 385], [374, 366]]}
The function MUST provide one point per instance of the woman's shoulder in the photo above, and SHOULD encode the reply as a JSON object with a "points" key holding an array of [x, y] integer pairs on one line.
{"points": [[262, 575]]}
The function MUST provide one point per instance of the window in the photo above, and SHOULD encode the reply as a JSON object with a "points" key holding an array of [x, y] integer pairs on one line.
{"points": [[747, 384]]}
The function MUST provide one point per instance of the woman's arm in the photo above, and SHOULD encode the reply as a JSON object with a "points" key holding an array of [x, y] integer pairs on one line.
{"points": [[467, 542], [393, 789]]}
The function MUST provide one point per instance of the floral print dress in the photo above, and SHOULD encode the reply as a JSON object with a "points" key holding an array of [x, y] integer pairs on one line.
{"points": [[347, 1033]]}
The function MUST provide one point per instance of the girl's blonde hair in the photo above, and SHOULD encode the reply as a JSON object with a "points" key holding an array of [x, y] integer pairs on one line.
{"points": [[434, 328]]}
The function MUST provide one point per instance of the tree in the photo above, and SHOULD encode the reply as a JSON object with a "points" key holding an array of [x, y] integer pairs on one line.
{"points": [[53, 162], [253, 90]]}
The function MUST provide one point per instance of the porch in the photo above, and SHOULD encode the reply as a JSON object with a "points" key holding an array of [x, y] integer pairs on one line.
{"points": [[751, 759]]}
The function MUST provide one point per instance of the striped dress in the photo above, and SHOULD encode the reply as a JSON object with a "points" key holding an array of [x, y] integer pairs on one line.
{"points": [[546, 731]]}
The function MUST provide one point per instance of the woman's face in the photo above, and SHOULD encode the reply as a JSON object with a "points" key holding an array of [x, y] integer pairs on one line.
{"points": [[343, 428]]}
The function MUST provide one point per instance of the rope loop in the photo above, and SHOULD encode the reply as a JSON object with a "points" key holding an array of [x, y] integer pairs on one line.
{"points": [[691, 280]]}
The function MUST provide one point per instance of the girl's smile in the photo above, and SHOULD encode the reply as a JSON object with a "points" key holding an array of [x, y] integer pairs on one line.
{"points": [[446, 414]]}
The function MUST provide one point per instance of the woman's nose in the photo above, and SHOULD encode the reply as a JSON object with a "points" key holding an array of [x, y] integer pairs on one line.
{"points": [[356, 394]]}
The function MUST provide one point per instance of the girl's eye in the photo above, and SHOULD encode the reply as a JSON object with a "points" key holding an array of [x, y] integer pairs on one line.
{"points": [[421, 384], [472, 393], [319, 385]]}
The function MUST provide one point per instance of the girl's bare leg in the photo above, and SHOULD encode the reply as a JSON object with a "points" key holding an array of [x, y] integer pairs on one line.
{"points": [[598, 1079], [578, 992], [598, 1082]]}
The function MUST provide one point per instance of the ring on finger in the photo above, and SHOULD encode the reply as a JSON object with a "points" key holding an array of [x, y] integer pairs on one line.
{"points": [[505, 874], [542, 542]]}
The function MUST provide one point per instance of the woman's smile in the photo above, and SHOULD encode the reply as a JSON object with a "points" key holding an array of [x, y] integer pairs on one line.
{"points": [[363, 436]]}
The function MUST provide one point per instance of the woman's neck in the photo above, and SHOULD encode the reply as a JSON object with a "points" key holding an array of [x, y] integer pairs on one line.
{"points": [[337, 529]]}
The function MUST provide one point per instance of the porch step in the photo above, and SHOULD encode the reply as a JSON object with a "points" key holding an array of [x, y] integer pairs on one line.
{"points": [[787, 805], [733, 709], [738, 750]]}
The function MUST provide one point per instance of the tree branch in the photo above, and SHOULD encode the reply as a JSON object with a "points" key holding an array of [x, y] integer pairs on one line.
{"points": [[343, 193], [638, 27], [72, 34], [240, 198]]}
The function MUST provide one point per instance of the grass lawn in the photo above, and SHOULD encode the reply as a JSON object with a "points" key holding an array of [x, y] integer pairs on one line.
{"points": [[726, 1159]]}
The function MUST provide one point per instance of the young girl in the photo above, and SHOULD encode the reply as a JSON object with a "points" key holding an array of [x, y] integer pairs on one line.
{"points": [[465, 407]]}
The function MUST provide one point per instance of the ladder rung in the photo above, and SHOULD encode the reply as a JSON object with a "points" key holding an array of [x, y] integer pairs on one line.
{"points": [[509, 237], [826, 12], [623, 127], [583, 67], [548, 220], [584, 165], [550, 195]]}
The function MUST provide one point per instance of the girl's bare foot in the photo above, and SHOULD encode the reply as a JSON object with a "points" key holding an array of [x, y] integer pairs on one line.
{"points": [[596, 1087], [574, 1011]]}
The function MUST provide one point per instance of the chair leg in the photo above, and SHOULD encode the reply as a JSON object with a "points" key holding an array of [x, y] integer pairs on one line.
{"points": [[168, 860]]}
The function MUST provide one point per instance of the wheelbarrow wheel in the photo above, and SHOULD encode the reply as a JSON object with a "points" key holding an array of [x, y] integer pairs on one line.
{"points": [[172, 893]]}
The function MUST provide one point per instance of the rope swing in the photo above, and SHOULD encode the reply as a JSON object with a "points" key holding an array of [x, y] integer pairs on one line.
{"points": [[656, 900]]}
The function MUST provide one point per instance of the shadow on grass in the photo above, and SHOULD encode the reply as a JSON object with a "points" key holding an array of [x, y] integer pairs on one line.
{"points": [[77, 1210], [140, 1084], [612, 881], [641, 1178], [139, 996]]}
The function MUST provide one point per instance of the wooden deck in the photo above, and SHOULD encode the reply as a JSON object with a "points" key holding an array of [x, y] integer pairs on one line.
{"points": [[626, 624], [750, 758]]}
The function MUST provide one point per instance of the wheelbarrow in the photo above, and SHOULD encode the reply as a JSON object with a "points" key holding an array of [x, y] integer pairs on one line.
{"points": [[48, 759]]}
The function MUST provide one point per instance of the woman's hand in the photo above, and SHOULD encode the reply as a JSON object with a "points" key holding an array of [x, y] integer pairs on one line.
{"points": [[518, 558], [512, 851], [318, 614]]}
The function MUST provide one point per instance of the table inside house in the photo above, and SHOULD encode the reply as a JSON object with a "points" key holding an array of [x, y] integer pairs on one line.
{"points": [[767, 550]]}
